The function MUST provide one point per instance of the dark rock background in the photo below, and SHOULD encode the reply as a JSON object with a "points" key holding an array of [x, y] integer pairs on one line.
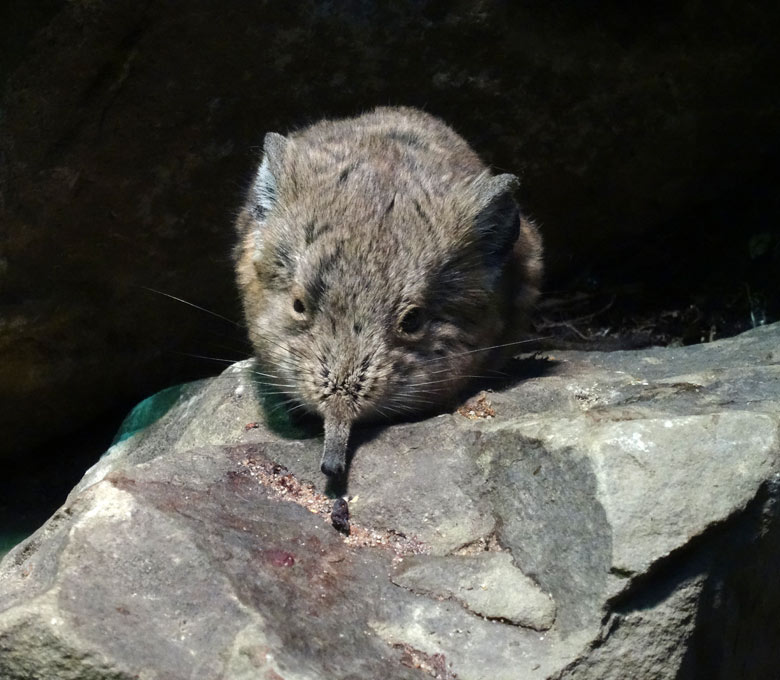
{"points": [[646, 138]]}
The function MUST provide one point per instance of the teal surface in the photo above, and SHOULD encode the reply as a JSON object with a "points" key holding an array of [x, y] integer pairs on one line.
{"points": [[10, 539], [149, 411], [277, 412]]}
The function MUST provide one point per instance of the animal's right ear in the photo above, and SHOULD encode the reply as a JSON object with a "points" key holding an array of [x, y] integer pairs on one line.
{"points": [[497, 222], [265, 188]]}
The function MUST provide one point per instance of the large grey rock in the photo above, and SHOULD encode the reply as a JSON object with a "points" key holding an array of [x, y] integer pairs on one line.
{"points": [[615, 516], [129, 129]]}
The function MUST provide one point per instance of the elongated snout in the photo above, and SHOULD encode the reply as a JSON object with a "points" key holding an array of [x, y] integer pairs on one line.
{"points": [[334, 453]]}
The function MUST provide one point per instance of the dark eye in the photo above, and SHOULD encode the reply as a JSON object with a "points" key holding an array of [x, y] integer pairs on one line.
{"points": [[411, 320], [298, 306]]}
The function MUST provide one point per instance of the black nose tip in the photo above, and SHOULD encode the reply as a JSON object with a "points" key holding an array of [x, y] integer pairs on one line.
{"points": [[332, 470]]}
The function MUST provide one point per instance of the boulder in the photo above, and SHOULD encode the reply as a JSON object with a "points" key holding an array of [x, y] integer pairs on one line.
{"points": [[595, 516]]}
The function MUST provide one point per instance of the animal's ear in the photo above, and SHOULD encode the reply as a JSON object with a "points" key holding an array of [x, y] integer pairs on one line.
{"points": [[266, 185], [497, 221]]}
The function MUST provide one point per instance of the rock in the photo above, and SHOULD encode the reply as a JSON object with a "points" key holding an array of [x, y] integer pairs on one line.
{"points": [[616, 516], [487, 584], [147, 121]]}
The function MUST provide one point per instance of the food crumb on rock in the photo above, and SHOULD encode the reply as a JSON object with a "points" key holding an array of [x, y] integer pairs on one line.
{"points": [[284, 485], [477, 407]]}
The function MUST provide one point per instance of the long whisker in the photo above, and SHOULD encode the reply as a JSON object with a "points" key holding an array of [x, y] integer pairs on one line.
{"points": [[485, 349], [225, 361], [251, 331], [270, 384], [244, 351], [490, 370], [265, 375], [278, 392], [192, 304], [203, 356], [286, 404], [286, 348], [477, 377]]}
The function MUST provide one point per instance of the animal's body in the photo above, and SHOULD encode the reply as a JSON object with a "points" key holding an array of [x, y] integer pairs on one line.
{"points": [[378, 257]]}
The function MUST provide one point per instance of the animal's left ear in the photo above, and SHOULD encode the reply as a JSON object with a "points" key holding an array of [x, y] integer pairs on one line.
{"points": [[497, 221], [266, 185]]}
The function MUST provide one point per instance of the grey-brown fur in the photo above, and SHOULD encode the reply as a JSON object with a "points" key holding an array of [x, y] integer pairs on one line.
{"points": [[349, 226]]}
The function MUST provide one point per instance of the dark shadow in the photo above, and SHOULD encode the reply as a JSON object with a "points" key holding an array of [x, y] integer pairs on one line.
{"points": [[336, 487], [33, 487], [737, 629], [285, 419], [525, 367], [515, 371]]}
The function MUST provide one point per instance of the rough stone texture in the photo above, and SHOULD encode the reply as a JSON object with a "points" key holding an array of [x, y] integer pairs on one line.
{"points": [[625, 504], [487, 584], [128, 130]]}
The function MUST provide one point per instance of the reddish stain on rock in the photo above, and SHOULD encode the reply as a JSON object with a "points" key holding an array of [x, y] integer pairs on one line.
{"points": [[280, 558]]}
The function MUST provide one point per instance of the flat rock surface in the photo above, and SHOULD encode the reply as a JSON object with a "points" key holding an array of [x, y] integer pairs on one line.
{"points": [[599, 516]]}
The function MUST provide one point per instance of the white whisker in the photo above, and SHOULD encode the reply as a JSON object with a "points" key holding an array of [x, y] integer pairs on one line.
{"points": [[192, 304], [485, 349]]}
